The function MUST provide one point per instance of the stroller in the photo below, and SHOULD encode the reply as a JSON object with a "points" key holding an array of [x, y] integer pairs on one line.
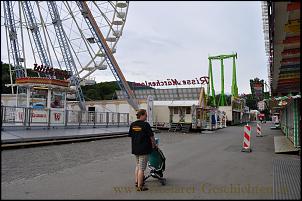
{"points": [[157, 164]]}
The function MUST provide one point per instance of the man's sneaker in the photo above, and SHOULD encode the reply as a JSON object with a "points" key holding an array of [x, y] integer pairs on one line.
{"points": [[143, 188]]}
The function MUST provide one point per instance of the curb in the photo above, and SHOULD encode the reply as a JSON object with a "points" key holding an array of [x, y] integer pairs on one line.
{"points": [[59, 141]]}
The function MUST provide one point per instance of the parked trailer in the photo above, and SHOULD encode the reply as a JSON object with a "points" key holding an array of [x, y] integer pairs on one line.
{"points": [[167, 113], [186, 115]]}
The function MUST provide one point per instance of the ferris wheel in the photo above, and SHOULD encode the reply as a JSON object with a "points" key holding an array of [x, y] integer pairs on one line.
{"points": [[76, 36]]}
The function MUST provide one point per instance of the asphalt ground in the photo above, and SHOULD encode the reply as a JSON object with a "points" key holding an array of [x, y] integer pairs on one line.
{"points": [[198, 166]]}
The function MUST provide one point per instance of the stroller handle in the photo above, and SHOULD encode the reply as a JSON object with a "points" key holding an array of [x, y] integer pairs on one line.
{"points": [[156, 140]]}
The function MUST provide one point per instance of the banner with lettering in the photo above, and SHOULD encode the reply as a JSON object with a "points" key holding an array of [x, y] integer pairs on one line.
{"points": [[173, 82]]}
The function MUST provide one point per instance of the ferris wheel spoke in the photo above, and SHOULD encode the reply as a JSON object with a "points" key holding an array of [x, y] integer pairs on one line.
{"points": [[31, 19], [67, 55], [52, 46], [22, 40], [31, 45], [88, 46], [10, 70], [100, 65], [105, 17], [76, 55]]}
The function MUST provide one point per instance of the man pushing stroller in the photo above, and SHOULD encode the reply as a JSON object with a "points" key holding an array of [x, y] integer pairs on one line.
{"points": [[143, 142]]}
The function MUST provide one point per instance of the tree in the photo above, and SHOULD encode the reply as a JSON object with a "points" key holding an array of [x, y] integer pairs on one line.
{"points": [[251, 102], [5, 79], [92, 94], [99, 91], [217, 97]]}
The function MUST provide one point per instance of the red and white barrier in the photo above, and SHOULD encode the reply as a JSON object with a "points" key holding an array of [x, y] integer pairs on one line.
{"points": [[247, 139], [259, 134]]}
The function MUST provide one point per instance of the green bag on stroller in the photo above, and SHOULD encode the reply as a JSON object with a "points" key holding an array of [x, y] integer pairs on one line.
{"points": [[157, 165]]}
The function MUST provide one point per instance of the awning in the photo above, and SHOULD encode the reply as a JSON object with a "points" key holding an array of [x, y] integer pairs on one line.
{"points": [[283, 36]]}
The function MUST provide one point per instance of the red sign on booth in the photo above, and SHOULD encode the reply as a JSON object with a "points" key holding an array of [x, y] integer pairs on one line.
{"points": [[57, 116]]}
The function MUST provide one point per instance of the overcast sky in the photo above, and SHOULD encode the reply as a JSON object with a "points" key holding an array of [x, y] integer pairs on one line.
{"points": [[174, 39], [164, 40]]}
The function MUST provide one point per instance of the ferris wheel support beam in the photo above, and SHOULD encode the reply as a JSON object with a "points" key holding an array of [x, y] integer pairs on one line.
{"points": [[30, 16], [44, 33], [31, 45], [66, 52], [20, 71], [48, 36], [112, 63], [30, 42], [10, 70]]}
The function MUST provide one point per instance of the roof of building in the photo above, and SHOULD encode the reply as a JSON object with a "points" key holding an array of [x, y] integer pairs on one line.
{"points": [[166, 94], [281, 24], [176, 103]]}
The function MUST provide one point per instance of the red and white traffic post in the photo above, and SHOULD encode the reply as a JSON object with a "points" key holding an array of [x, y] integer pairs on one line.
{"points": [[247, 139]]}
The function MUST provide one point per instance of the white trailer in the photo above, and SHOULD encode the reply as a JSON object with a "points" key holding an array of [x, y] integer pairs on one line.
{"points": [[168, 112], [237, 112], [186, 114]]}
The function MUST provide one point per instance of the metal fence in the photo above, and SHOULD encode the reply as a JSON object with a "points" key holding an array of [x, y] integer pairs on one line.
{"points": [[28, 117]]}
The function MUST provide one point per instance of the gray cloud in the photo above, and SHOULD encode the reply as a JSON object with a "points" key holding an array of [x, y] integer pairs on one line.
{"points": [[174, 39]]}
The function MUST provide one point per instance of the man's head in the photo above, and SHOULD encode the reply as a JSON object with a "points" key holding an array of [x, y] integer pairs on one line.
{"points": [[141, 114]]}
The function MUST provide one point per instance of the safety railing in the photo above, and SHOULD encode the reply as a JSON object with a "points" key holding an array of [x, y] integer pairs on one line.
{"points": [[29, 117]]}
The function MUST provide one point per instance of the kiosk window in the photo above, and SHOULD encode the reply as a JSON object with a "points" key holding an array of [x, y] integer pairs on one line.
{"points": [[57, 100], [38, 98]]}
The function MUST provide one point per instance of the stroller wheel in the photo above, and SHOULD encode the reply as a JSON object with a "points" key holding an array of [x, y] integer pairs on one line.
{"points": [[163, 181]]}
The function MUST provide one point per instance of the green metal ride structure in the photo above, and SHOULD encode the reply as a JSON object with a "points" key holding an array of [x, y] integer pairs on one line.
{"points": [[211, 93]]}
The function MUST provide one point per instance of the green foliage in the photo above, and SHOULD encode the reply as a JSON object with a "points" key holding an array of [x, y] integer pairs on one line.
{"points": [[217, 97], [31, 73], [5, 79], [99, 91], [251, 102]]}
